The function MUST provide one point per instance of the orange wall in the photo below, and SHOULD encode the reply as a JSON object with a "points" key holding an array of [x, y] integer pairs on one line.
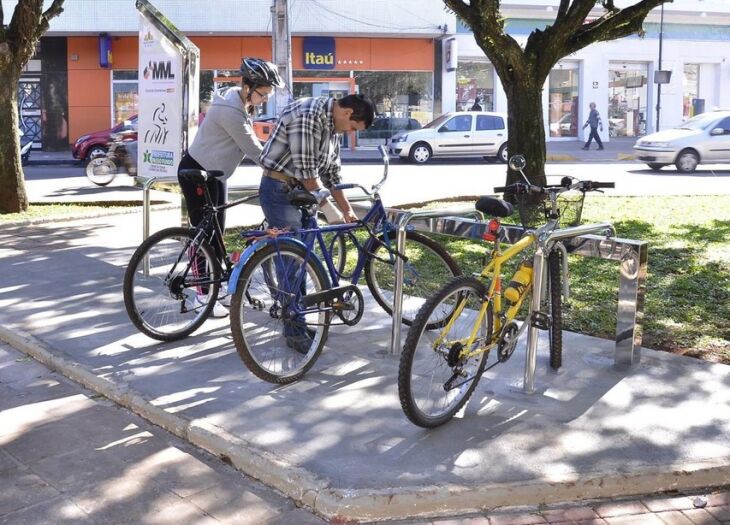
{"points": [[89, 86]]}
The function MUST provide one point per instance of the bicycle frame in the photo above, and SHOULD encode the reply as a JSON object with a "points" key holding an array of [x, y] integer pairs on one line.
{"points": [[374, 221], [493, 270]]}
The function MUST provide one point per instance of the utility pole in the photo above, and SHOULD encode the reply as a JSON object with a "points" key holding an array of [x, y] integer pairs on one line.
{"points": [[281, 51], [659, 84]]}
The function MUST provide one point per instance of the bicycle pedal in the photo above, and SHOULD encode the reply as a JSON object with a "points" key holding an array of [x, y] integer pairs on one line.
{"points": [[540, 320]]}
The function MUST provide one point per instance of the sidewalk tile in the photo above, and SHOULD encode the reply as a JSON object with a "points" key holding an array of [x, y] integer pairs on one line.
{"points": [[721, 513], [665, 504], [78, 468], [701, 517], [54, 512], [718, 498], [230, 505], [674, 517], [516, 519], [607, 510], [635, 519], [473, 520], [569, 514], [23, 490]]}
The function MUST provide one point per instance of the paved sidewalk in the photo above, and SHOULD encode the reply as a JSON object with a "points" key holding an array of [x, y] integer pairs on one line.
{"points": [[68, 455], [337, 440]]}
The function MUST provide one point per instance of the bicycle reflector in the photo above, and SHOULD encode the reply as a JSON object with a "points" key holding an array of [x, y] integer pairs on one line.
{"points": [[492, 230]]}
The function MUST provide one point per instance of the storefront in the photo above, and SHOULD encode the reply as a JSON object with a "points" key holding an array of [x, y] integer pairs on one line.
{"points": [[400, 83], [628, 97]]}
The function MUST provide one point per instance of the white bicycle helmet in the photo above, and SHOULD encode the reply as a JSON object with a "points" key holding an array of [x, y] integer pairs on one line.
{"points": [[261, 73]]}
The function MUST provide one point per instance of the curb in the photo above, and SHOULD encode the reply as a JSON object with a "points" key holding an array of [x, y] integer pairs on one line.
{"points": [[344, 504]]}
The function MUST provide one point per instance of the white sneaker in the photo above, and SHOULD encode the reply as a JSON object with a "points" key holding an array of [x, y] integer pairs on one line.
{"points": [[218, 309], [224, 297]]}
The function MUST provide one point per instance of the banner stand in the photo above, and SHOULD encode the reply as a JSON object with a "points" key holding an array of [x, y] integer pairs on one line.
{"points": [[169, 84]]}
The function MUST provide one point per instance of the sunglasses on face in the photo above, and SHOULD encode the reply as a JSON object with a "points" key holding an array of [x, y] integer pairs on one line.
{"points": [[264, 96]]}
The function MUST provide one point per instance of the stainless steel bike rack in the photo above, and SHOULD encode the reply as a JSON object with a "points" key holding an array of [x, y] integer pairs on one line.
{"points": [[631, 255], [147, 183]]}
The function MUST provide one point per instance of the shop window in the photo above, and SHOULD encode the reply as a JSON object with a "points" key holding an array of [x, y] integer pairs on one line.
{"points": [[627, 99], [125, 98], [563, 102], [474, 84], [691, 103]]}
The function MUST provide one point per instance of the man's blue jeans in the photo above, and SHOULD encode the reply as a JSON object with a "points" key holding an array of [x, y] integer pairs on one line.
{"points": [[280, 214]]}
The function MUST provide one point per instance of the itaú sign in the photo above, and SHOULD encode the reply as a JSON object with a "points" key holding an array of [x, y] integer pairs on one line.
{"points": [[319, 52]]}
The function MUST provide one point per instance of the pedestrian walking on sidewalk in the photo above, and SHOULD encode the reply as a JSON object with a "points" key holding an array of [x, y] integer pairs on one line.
{"points": [[594, 121], [224, 138]]}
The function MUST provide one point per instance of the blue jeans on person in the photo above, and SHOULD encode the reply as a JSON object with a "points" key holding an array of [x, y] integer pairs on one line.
{"points": [[280, 214]]}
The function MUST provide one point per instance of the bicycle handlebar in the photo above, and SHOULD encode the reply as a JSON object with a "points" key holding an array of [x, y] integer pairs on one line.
{"points": [[376, 187], [520, 188]]}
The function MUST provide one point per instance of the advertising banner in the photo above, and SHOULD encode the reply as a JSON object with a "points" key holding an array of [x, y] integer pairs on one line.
{"points": [[160, 103]]}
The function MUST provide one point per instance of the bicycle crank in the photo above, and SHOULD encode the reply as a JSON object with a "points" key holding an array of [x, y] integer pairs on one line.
{"points": [[508, 341], [345, 301]]}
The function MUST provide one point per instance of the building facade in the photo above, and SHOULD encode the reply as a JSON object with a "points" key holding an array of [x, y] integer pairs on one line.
{"points": [[412, 57]]}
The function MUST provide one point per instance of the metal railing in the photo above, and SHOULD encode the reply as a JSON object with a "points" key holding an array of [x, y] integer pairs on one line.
{"points": [[631, 254]]}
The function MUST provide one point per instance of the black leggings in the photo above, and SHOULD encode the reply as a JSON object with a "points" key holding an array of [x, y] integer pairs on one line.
{"points": [[195, 198]]}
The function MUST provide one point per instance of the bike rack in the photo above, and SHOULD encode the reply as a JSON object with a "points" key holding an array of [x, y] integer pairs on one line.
{"points": [[147, 183], [631, 255]]}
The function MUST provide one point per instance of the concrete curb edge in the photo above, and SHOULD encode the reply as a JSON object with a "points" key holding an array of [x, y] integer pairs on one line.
{"points": [[373, 504]]}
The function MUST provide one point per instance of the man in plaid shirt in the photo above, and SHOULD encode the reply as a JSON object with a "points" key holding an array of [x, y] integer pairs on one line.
{"points": [[304, 151]]}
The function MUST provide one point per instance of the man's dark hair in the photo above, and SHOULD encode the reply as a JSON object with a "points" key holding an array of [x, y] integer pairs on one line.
{"points": [[363, 109]]}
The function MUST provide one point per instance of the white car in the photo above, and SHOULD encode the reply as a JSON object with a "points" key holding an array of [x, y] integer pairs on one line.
{"points": [[704, 139], [456, 134]]}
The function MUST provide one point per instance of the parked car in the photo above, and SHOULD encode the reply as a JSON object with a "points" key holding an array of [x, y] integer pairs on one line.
{"points": [[456, 134], [386, 127], [704, 139], [93, 145]]}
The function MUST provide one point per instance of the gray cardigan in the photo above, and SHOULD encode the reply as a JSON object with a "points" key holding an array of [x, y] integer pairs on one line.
{"points": [[226, 135]]}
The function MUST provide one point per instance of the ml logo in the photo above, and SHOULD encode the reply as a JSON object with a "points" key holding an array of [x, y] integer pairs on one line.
{"points": [[319, 52], [159, 71]]}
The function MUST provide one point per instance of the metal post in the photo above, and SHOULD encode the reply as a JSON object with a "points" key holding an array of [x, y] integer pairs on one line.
{"points": [[528, 384], [630, 315], [400, 246], [659, 86], [281, 51]]}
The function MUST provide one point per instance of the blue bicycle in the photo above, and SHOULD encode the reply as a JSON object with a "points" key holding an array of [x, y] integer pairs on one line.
{"points": [[289, 288]]}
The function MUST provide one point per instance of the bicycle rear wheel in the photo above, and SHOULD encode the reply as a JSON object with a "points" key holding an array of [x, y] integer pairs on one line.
{"points": [[428, 268], [555, 330], [276, 344], [166, 296], [433, 381]]}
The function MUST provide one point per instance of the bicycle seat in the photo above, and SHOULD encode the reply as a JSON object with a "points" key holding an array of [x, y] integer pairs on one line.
{"points": [[199, 176], [301, 198], [494, 207]]}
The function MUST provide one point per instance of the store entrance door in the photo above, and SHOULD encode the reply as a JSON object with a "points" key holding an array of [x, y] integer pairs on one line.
{"points": [[627, 99]]}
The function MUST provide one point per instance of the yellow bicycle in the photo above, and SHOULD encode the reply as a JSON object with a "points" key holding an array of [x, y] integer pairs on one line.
{"points": [[439, 369]]}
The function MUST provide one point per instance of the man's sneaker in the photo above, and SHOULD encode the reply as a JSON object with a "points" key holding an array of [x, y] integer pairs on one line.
{"points": [[301, 342], [218, 309], [224, 297]]}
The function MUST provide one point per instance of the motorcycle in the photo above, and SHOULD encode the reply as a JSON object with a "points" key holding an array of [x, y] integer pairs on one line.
{"points": [[120, 157]]}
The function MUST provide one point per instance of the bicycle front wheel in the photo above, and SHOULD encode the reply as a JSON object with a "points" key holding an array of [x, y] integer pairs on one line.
{"points": [[555, 274], [275, 336], [170, 287], [429, 266], [434, 381]]}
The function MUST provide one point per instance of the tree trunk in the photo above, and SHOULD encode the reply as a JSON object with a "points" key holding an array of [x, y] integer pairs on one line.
{"points": [[526, 127], [13, 198]]}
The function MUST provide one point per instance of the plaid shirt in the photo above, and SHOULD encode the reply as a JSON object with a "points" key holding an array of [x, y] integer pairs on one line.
{"points": [[304, 144]]}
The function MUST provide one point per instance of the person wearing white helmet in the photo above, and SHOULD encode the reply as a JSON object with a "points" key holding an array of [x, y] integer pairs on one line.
{"points": [[224, 138]]}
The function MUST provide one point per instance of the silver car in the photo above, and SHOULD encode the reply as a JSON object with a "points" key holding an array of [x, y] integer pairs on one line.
{"points": [[456, 134], [704, 139]]}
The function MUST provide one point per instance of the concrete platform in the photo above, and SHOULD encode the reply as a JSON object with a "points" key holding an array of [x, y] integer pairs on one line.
{"points": [[337, 440]]}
